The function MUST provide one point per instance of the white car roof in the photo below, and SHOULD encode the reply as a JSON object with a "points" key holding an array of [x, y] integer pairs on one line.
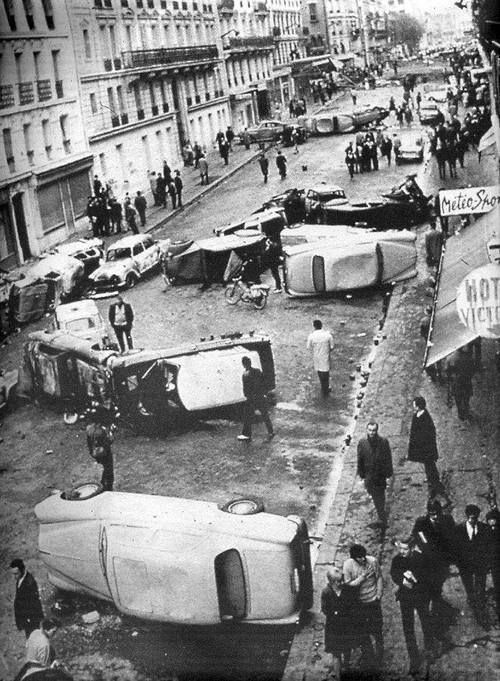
{"points": [[80, 308], [78, 246], [129, 241]]}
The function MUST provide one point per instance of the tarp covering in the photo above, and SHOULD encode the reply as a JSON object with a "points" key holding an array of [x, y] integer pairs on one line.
{"points": [[464, 252]]}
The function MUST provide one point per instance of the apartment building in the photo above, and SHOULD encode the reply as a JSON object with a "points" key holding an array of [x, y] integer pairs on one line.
{"points": [[44, 162], [289, 45], [151, 76]]}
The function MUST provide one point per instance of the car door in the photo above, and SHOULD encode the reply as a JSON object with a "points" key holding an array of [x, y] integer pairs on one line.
{"points": [[139, 257]]}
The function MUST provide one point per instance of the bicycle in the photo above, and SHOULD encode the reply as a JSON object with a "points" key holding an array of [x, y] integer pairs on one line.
{"points": [[254, 294]]}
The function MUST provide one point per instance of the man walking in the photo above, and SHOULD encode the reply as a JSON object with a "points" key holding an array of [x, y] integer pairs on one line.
{"points": [[472, 557], [422, 446], [264, 165], [281, 164], [140, 206], [203, 167], [363, 571], [28, 611], [99, 439], [320, 342], [375, 467], [255, 394], [178, 187], [121, 317]]}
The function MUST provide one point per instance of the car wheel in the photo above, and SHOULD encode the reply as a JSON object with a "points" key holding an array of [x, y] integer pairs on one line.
{"points": [[83, 491], [131, 280], [243, 506]]}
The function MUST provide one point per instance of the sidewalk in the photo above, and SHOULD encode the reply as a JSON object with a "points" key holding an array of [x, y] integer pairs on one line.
{"points": [[469, 467]]}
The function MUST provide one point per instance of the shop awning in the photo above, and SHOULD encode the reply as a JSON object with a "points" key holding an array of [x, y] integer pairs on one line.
{"points": [[464, 252]]}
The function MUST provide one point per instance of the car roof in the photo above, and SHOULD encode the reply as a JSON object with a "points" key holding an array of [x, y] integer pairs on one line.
{"points": [[80, 308], [129, 241], [78, 246]]}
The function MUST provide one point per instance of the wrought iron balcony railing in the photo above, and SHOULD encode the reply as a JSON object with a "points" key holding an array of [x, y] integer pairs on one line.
{"points": [[6, 96], [166, 56], [44, 90], [250, 42]]}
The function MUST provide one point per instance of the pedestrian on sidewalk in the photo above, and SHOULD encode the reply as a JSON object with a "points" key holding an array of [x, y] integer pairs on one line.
{"points": [[281, 164], [116, 216], [256, 400], [363, 571], [178, 187], [433, 244], [121, 318], [219, 139], [99, 440], [198, 153], [472, 558], [375, 468], [203, 168], [493, 521], [245, 137], [167, 173], [173, 194], [130, 217], [340, 607], [264, 165], [320, 342], [422, 445], [97, 184], [434, 536], [161, 193], [28, 611], [140, 206], [224, 151], [230, 137], [152, 185], [350, 161], [410, 574]]}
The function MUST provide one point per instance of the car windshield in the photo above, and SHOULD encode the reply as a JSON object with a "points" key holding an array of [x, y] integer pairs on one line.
{"points": [[329, 196], [118, 254]]}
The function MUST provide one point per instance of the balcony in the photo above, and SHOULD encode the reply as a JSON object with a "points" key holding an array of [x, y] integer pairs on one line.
{"points": [[26, 93], [6, 96], [169, 56], [59, 89], [44, 90], [250, 43]]}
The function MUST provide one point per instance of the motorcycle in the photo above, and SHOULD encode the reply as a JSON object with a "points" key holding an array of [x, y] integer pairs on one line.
{"points": [[254, 294]]}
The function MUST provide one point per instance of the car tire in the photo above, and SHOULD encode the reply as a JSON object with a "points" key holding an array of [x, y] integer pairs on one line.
{"points": [[84, 491], [130, 280], [243, 506]]}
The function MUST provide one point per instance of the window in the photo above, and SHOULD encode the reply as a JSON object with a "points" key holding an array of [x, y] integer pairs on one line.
{"points": [[112, 40], [49, 13], [28, 11], [313, 12], [86, 44], [140, 4], [36, 65], [63, 123], [9, 152], [318, 272], [137, 249], [231, 588], [102, 162], [27, 143], [9, 11], [47, 141], [93, 103], [55, 64]]}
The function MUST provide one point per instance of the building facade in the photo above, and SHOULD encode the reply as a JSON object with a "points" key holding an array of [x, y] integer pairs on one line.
{"points": [[45, 163], [151, 77], [289, 45]]}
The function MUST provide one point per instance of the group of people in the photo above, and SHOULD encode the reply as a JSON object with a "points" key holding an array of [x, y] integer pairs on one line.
{"points": [[165, 183], [362, 155]]}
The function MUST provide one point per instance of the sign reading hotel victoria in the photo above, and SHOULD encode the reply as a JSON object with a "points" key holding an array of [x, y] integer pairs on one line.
{"points": [[469, 200], [478, 301]]}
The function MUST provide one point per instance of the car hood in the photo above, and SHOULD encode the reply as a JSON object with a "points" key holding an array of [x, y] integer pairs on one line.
{"points": [[109, 269]]}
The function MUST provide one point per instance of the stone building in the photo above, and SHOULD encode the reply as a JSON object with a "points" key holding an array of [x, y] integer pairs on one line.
{"points": [[289, 45], [44, 163], [151, 76]]}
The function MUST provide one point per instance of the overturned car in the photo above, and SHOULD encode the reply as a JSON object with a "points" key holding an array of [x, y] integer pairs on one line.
{"points": [[148, 387], [177, 560]]}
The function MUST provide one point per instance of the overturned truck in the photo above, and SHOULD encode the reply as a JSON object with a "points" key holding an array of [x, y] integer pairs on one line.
{"points": [[144, 388]]}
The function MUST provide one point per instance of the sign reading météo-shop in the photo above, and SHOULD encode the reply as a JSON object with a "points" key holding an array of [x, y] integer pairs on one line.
{"points": [[478, 301], [468, 200]]}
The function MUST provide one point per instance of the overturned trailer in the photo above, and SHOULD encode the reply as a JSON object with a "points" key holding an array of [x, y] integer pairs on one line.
{"points": [[145, 387]]}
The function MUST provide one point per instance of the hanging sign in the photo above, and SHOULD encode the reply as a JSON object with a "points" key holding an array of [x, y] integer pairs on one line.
{"points": [[468, 200], [478, 301]]}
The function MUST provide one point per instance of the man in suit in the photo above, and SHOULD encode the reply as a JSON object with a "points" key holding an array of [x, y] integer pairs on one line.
{"points": [[121, 317], [254, 391], [375, 467], [472, 548], [28, 610], [422, 446]]}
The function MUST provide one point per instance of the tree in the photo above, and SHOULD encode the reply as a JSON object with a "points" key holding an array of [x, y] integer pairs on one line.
{"points": [[406, 29]]}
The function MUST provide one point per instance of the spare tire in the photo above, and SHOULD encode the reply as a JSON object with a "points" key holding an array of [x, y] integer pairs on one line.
{"points": [[83, 491], [243, 506]]}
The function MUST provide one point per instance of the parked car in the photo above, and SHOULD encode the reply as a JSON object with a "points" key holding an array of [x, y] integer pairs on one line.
{"points": [[88, 251], [332, 265], [322, 193], [411, 149], [429, 113], [181, 561], [83, 320], [271, 131], [148, 388], [127, 261]]}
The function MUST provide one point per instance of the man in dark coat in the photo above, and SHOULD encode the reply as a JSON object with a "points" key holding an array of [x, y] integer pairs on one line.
{"points": [[422, 446], [264, 165], [375, 467], [28, 611], [224, 151], [121, 317], [281, 164], [99, 439], [411, 575], [140, 204], [173, 194], [161, 193], [167, 173], [472, 547], [178, 187], [254, 391]]}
